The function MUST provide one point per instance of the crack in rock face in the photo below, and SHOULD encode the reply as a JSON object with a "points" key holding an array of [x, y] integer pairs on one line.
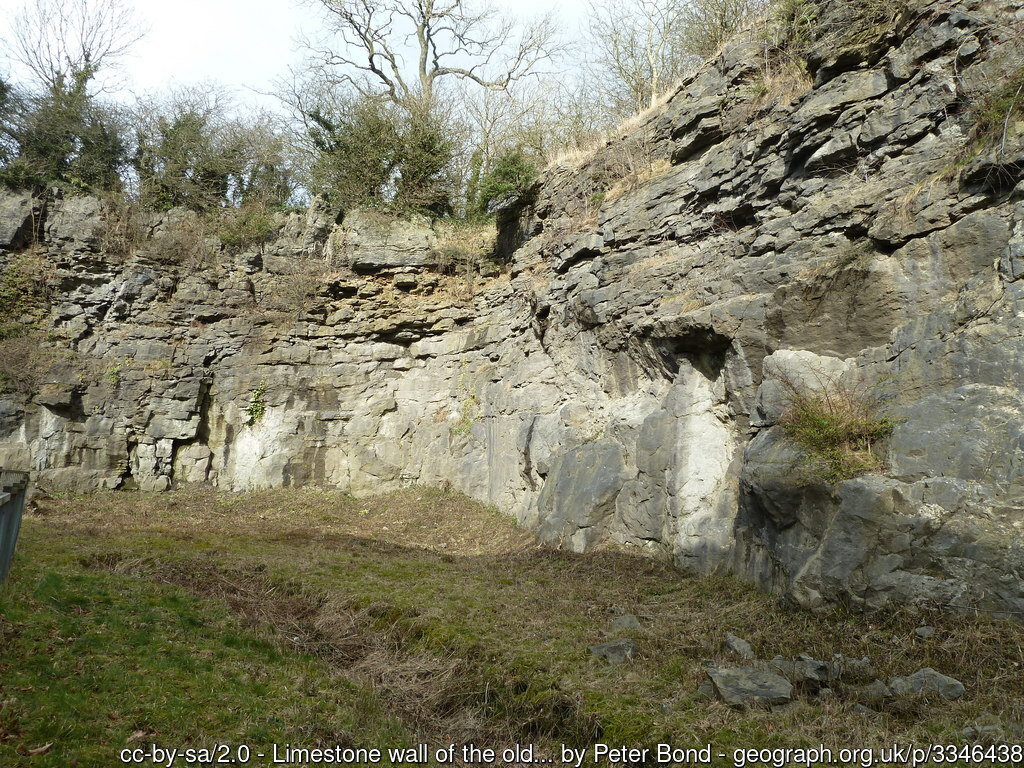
{"points": [[627, 370]]}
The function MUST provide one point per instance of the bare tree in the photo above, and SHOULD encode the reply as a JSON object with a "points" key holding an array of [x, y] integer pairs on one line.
{"points": [[637, 50], [408, 56], [445, 39], [68, 41], [61, 131], [640, 49], [708, 24], [495, 120]]}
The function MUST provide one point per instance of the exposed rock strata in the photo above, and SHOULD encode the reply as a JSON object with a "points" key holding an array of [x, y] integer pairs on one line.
{"points": [[621, 380]]}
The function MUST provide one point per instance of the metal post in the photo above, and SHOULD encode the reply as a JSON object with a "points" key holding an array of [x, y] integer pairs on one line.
{"points": [[12, 502]]}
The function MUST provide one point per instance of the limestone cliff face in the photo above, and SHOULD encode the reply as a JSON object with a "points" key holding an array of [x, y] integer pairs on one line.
{"points": [[620, 379]]}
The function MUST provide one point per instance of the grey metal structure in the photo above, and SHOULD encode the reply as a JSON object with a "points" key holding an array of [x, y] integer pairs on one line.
{"points": [[12, 502]]}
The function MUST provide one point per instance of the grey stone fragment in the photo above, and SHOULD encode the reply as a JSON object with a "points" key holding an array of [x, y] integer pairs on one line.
{"points": [[925, 632], [626, 621], [73, 220], [405, 282], [801, 671], [739, 646], [986, 733], [320, 220], [873, 694], [615, 651], [706, 691], [810, 670], [1011, 265], [991, 729], [15, 219], [927, 681], [374, 241], [852, 670], [748, 686]]}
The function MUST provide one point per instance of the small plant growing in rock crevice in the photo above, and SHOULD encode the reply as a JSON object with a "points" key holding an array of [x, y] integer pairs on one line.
{"points": [[113, 374], [257, 405], [470, 415], [470, 410], [837, 426]]}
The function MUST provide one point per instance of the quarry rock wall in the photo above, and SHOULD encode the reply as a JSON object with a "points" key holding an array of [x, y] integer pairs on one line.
{"points": [[621, 374]]}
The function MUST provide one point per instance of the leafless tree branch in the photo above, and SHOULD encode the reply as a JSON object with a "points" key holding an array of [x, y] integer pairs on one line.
{"points": [[444, 39], [64, 41]]}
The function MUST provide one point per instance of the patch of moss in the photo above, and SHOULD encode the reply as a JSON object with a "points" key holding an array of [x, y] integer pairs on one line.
{"points": [[23, 294]]}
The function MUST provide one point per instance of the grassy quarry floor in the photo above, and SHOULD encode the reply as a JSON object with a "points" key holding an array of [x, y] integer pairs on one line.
{"points": [[193, 619]]}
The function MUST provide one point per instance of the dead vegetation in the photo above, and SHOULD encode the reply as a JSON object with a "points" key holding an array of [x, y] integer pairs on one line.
{"points": [[577, 155], [286, 297], [123, 228], [465, 255], [26, 282], [24, 362]]}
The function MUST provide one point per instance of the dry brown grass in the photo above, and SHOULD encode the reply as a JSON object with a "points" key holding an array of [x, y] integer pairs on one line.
{"points": [[124, 227], [782, 81], [184, 240], [415, 517], [286, 297], [639, 171], [577, 155], [461, 245], [465, 252]]}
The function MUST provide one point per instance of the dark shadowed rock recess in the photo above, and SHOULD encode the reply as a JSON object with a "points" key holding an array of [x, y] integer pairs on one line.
{"points": [[621, 378]]}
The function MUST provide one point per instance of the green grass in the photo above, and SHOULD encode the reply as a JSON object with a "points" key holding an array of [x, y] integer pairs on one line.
{"points": [[95, 662], [197, 617]]}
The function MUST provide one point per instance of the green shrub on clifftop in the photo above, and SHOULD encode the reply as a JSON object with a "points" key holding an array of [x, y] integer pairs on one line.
{"points": [[246, 227]]}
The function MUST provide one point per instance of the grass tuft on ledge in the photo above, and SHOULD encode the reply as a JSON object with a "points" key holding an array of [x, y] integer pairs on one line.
{"points": [[837, 426]]}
